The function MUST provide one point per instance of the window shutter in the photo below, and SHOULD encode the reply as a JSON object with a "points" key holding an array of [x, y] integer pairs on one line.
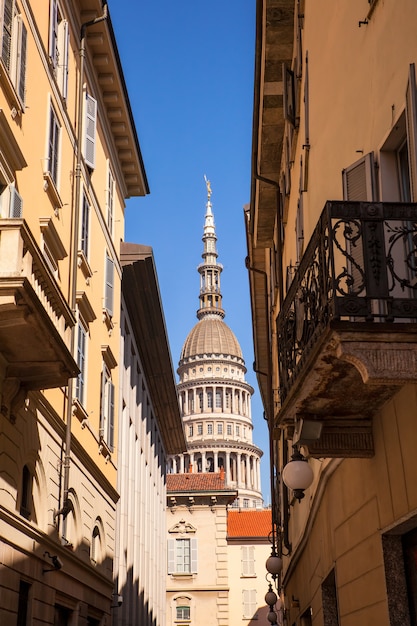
{"points": [[102, 400], [108, 296], [6, 47], [21, 59], [63, 69], [359, 180], [90, 122], [171, 556], [411, 120], [53, 19], [246, 603], [16, 203], [194, 556], [110, 436]]}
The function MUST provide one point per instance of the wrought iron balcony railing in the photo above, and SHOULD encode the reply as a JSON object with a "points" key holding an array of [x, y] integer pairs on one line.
{"points": [[359, 271]]}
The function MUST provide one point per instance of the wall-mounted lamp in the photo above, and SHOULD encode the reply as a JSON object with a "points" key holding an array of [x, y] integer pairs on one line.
{"points": [[56, 562], [297, 474]]}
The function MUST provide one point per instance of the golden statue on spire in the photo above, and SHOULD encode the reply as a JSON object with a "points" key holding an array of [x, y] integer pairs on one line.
{"points": [[208, 185]]}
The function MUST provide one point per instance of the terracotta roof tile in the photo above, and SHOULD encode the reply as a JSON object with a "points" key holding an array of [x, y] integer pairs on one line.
{"points": [[249, 523], [196, 482]]}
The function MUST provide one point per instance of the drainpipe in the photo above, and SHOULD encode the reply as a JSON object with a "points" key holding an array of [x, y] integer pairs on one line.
{"points": [[66, 507]]}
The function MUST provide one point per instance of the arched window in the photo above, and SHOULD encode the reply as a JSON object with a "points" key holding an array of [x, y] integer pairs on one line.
{"points": [[95, 545]]}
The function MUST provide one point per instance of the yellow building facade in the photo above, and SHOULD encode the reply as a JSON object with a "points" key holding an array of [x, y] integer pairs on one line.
{"points": [[69, 158], [331, 262]]}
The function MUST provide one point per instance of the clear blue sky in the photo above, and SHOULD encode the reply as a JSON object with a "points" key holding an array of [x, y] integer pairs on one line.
{"points": [[189, 69]]}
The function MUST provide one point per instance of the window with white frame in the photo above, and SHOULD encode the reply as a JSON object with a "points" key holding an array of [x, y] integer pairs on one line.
{"points": [[248, 561], [14, 46], [81, 361], [210, 399], [209, 429], [59, 46], [229, 429], [107, 408], [110, 199], [182, 555], [183, 613], [249, 603], [199, 429], [53, 146], [191, 430], [220, 428], [85, 226]]}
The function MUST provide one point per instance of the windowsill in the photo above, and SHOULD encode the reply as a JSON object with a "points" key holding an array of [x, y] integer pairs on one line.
{"points": [[107, 319], [52, 191], [79, 411], [182, 575], [104, 448], [84, 266]]}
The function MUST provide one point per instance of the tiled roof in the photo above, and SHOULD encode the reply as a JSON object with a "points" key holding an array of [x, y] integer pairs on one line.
{"points": [[249, 523], [196, 482]]}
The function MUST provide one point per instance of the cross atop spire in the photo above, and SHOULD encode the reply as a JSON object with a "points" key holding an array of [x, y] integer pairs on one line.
{"points": [[210, 270]]}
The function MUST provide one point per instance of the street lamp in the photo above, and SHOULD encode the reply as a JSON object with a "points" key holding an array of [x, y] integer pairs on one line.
{"points": [[297, 474]]}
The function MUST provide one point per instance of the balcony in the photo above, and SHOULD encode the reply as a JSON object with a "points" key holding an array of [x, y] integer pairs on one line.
{"points": [[347, 330], [35, 320]]}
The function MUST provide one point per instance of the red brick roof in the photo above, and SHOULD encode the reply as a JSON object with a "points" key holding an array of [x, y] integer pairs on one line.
{"points": [[196, 482], [249, 523]]}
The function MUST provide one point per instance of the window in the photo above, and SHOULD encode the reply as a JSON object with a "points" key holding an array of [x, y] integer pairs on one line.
{"points": [[191, 430], [209, 429], [245, 503], [81, 362], [110, 199], [228, 398], [218, 399], [199, 429], [95, 545], [229, 429], [247, 560], [237, 431], [200, 400], [107, 408], [13, 47], [59, 46], [210, 399], [219, 428], [329, 600], [90, 124], [53, 147], [26, 493], [85, 227], [23, 606], [183, 613], [249, 603], [108, 292], [182, 556]]}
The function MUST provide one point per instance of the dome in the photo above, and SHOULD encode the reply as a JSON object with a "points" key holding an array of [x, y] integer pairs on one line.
{"points": [[211, 336]]}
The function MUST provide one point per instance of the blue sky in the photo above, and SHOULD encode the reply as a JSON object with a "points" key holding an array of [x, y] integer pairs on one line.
{"points": [[189, 68]]}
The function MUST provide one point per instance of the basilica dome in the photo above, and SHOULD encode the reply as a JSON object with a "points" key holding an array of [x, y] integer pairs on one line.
{"points": [[211, 336]]}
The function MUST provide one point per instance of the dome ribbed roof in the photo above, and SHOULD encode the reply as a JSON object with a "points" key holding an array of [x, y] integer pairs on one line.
{"points": [[211, 336]]}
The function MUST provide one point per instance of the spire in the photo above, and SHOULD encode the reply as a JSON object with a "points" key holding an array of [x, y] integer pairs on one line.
{"points": [[210, 270]]}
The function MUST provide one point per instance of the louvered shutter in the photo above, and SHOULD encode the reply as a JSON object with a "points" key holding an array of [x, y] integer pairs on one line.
{"points": [[16, 203], [411, 120], [171, 556], [110, 436], [358, 185], [108, 296], [102, 400], [90, 122], [53, 19], [20, 79], [6, 47], [63, 68], [194, 556]]}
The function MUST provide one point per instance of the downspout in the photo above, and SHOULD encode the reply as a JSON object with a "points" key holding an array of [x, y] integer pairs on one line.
{"points": [[66, 505]]}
